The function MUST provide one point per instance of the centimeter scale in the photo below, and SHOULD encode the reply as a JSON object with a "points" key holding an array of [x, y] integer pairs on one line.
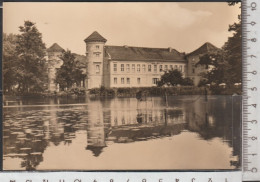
{"points": [[251, 91], [250, 127]]}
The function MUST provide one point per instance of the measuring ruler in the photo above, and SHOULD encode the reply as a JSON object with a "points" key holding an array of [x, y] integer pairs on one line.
{"points": [[251, 90]]}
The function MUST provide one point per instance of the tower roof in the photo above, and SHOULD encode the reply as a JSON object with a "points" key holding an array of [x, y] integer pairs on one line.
{"points": [[95, 37], [205, 48], [55, 48]]}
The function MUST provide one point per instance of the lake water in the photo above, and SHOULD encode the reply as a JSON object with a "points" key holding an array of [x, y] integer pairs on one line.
{"points": [[184, 132]]}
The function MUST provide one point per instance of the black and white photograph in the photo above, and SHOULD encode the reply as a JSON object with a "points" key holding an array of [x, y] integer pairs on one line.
{"points": [[96, 86]]}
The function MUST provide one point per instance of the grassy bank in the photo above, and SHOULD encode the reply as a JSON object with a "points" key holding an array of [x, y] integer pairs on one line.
{"points": [[133, 92], [159, 91]]}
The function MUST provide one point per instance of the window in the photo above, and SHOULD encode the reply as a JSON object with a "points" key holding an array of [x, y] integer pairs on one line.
{"points": [[115, 67], [175, 67], [115, 80], [128, 80], [143, 67], [193, 62], [161, 68], [128, 68], [122, 67], [97, 54], [193, 70], [97, 46], [122, 80], [133, 68], [149, 68], [155, 68], [155, 80], [97, 68], [165, 67], [180, 67], [171, 67], [138, 80], [138, 68]]}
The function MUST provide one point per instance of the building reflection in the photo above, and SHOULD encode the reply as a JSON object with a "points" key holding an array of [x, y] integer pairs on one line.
{"points": [[219, 117], [129, 121], [95, 128], [28, 133]]}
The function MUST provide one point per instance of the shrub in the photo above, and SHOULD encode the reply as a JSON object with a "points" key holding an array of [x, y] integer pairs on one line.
{"points": [[79, 91], [102, 92]]}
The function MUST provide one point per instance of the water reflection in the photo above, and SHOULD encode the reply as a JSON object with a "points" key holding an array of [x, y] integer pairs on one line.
{"points": [[33, 129]]}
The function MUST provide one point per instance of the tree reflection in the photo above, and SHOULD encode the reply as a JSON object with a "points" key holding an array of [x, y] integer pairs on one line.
{"points": [[28, 133]]}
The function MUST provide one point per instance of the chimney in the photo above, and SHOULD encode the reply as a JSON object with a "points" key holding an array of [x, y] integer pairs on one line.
{"points": [[170, 49], [125, 46]]}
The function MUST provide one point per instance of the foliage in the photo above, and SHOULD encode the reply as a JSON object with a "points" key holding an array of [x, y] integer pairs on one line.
{"points": [[9, 61], [24, 62], [187, 82], [77, 91], [68, 74], [216, 65], [173, 78], [202, 82], [226, 65], [233, 53], [102, 91]]}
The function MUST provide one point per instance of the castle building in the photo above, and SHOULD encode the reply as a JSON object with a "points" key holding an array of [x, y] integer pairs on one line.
{"points": [[194, 71], [54, 54], [127, 66], [54, 63]]}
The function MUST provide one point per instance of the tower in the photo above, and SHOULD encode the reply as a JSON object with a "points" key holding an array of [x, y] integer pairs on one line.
{"points": [[95, 60], [54, 62]]}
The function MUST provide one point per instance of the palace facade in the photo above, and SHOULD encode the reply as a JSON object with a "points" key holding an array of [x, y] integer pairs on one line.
{"points": [[127, 66]]}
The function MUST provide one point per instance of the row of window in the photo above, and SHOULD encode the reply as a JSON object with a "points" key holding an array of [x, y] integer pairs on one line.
{"points": [[127, 80], [97, 47], [138, 67], [154, 80]]}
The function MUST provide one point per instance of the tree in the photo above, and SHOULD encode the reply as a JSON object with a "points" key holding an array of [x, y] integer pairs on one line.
{"points": [[173, 78], [68, 73], [216, 64], [31, 67], [187, 82], [9, 62], [233, 52], [226, 64]]}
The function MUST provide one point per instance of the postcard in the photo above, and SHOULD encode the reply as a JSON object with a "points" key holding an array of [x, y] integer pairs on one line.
{"points": [[132, 86]]}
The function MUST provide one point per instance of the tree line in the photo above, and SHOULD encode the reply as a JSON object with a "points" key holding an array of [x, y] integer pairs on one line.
{"points": [[227, 62], [25, 66]]}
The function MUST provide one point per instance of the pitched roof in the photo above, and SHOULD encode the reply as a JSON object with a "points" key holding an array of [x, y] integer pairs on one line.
{"points": [[143, 54], [55, 48], [95, 37], [81, 60], [205, 48]]}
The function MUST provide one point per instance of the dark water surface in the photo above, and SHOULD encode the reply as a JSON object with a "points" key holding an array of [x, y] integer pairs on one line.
{"points": [[122, 133]]}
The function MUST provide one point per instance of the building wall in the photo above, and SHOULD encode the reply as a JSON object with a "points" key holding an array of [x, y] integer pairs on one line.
{"points": [[194, 72], [106, 73], [139, 74], [95, 57], [54, 62]]}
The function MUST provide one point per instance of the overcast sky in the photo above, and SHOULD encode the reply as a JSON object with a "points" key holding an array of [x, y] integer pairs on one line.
{"points": [[182, 26]]}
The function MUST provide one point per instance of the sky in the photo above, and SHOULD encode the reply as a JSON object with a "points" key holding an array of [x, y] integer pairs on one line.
{"points": [[182, 26]]}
